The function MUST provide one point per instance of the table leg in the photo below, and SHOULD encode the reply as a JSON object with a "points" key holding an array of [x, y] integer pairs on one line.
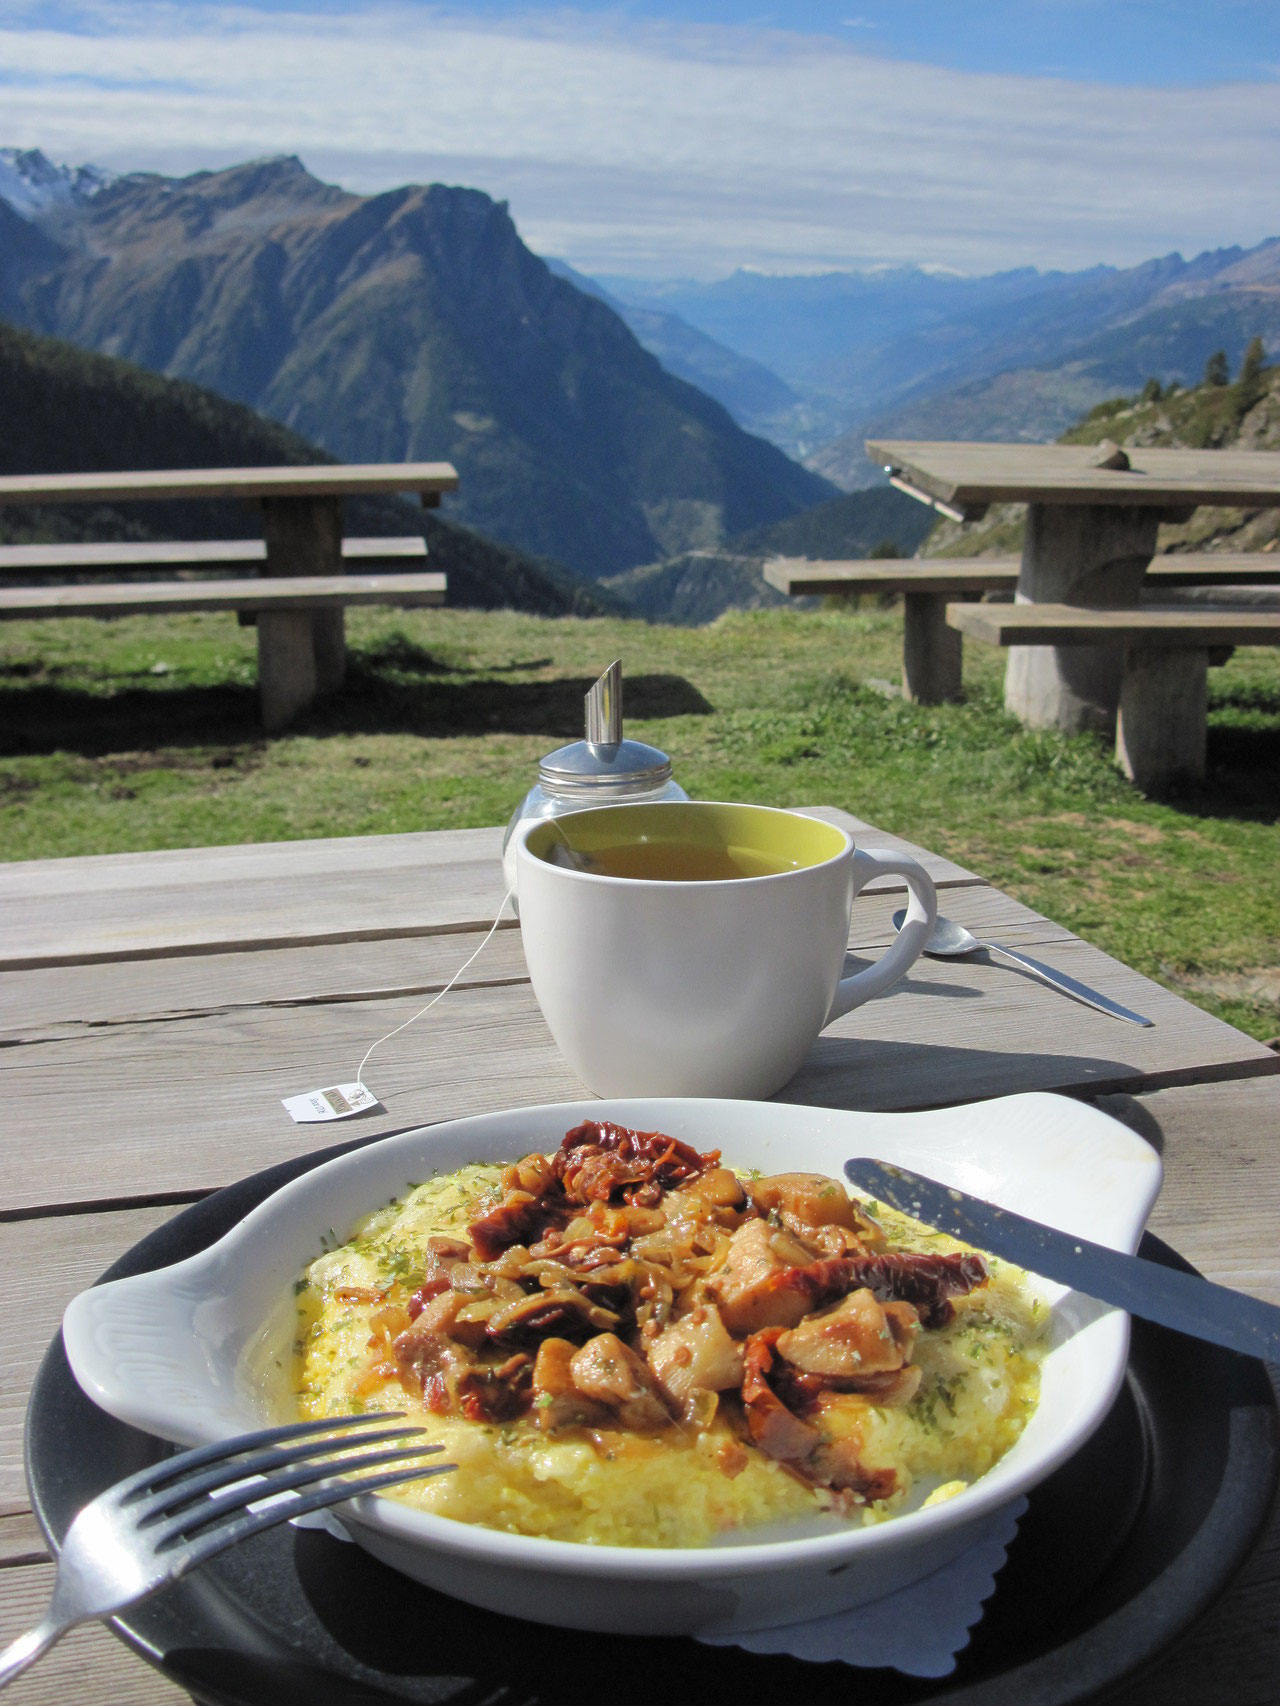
{"points": [[1160, 728], [286, 666], [932, 653], [329, 635], [304, 537], [1077, 554]]}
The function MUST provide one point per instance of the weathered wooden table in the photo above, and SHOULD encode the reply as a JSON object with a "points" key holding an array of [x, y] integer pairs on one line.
{"points": [[1091, 533], [156, 1007]]}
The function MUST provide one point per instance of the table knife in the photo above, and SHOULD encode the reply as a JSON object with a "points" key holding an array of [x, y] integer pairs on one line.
{"points": [[1186, 1302]]}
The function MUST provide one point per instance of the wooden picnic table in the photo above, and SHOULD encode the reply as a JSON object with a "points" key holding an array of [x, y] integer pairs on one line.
{"points": [[156, 1007], [1091, 534], [301, 640]]}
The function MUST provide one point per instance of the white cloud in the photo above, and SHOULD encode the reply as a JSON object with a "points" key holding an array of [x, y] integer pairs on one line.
{"points": [[663, 148]]}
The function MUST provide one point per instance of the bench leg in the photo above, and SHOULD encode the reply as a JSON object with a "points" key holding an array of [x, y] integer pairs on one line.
{"points": [[1160, 727], [286, 666], [932, 653], [330, 637]]}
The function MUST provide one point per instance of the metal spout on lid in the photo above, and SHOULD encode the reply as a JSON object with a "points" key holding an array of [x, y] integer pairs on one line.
{"points": [[605, 759], [604, 707]]}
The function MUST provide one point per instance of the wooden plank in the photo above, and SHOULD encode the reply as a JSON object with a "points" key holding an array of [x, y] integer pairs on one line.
{"points": [[978, 473], [195, 900], [57, 1257], [1203, 567], [199, 1097], [1220, 1144], [799, 577], [153, 598], [62, 1001], [322, 479], [1068, 624], [187, 554], [91, 1665], [112, 906], [21, 1542]]}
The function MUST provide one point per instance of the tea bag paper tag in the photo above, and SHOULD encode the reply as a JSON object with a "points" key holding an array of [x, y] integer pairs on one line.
{"points": [[338, 1102]]}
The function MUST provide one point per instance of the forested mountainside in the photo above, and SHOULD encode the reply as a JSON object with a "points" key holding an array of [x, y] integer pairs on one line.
{"points": [[1214, 414], [63, 410], [409, 325], [697, 586]]}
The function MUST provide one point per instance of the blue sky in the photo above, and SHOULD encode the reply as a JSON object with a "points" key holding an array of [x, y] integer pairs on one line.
{"points": [[689, 136]]}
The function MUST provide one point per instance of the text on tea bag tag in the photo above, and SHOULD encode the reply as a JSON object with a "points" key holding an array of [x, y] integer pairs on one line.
{"points": [[341, 1101], [338, 1102]]}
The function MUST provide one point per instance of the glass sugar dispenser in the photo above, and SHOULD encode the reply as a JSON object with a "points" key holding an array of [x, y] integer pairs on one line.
{"points": [[602, 770]]}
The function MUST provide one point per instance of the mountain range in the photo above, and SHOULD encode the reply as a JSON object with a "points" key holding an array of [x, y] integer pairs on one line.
{"points": [[1014, 355], [641, 432], [409, 325]]}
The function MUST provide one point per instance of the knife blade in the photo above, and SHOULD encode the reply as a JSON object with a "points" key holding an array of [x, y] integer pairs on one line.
{"points": [[1186, 1302]]}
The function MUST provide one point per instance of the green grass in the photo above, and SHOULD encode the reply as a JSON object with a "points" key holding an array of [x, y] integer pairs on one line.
{"points": [[142, 733]]}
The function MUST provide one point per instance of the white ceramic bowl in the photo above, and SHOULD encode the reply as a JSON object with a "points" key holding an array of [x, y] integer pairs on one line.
{"points": [[180, 1352]]}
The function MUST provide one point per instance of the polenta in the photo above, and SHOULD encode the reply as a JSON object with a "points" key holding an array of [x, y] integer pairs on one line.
{"points": [[625, 1343]]}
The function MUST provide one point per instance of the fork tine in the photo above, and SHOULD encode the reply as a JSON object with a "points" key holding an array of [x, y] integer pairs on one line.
{"points": [[228, 1469], [187, 1523], [156, 1475], [208, 1544]]}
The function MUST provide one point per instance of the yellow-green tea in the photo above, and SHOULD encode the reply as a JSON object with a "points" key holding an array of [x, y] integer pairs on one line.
{"points": [[682, 862]]}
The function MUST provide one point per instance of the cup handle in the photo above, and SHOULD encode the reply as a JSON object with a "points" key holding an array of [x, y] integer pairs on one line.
{"points": [[922, 910]]}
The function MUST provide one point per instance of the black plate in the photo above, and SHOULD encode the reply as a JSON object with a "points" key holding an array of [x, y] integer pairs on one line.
{"points": [[1118, 1552]]}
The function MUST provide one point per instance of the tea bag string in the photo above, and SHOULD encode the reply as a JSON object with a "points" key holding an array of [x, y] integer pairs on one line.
{"points": [[359, 1078]]}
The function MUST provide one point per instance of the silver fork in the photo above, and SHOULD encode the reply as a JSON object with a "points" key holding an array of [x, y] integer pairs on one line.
{"points": [[165, 1520]]}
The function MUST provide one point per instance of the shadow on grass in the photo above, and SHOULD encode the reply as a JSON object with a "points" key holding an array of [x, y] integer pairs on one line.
{"points": [[48, 718]]}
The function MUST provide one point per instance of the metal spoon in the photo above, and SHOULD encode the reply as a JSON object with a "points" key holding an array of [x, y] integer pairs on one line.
{"points": [[949, 941]]}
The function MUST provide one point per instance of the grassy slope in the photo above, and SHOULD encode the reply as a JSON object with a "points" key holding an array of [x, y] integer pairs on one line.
{"points": [[142, 733]]}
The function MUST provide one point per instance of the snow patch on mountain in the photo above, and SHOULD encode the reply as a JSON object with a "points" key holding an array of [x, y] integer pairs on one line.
{"points": [[31, 183]]}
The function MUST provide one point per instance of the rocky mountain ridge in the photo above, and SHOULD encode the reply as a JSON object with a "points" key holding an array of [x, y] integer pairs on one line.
{"points": [[409, 325]]}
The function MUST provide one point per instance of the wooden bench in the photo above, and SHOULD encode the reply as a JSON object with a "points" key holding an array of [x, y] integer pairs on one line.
{"points": [[294, 668], [931, 650], [1160, 723], [298, 605]]}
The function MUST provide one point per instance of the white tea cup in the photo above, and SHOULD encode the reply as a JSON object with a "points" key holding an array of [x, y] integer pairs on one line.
{"points": [[694, 948]]}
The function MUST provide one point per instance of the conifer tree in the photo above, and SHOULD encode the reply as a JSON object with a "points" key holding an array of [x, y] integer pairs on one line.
{"points": [[1250, 384], [1216, 371]]}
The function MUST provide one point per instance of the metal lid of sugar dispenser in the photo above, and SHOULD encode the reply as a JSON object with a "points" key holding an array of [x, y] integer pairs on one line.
{"points": [[604, 758]]}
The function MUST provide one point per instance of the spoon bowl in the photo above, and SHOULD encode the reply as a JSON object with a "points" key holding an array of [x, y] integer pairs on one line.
{"points": [[947, 940]]}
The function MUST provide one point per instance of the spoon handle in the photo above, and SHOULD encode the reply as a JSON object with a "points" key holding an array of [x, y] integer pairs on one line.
{"points": [[1068, 985]]}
